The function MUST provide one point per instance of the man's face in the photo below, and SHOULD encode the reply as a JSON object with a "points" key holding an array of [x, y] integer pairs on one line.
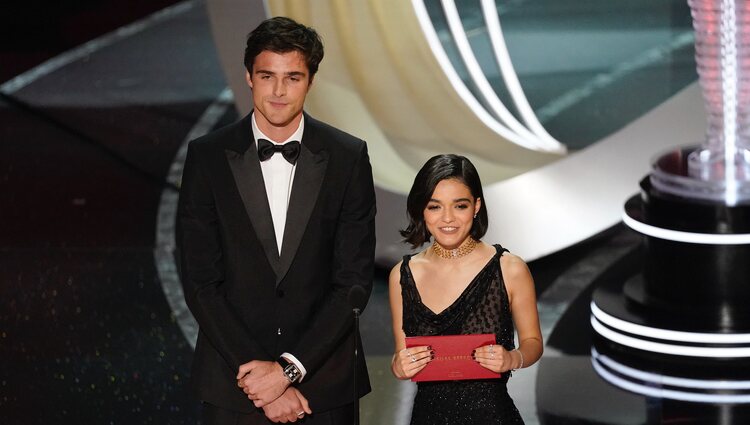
{"points": [[280, 82]]}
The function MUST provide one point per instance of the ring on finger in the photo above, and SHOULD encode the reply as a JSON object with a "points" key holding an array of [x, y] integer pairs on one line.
{"points": [[301, 414], [413, 359]]}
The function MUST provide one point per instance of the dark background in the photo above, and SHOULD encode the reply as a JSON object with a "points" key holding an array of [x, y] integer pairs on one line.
{"points": [[36, 30]]}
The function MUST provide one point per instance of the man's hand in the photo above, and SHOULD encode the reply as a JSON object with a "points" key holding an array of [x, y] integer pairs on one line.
{"points": [[290, 407], [262, 381]]}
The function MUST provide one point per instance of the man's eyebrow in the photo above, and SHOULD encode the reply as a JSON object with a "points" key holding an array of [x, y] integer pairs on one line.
{"points": [[290, 73]]}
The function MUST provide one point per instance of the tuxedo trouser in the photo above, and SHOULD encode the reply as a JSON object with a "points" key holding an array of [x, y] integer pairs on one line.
{"points": [[213, 415]]}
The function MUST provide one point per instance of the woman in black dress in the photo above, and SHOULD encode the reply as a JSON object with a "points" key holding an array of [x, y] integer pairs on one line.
{"points": [[460, 285]]}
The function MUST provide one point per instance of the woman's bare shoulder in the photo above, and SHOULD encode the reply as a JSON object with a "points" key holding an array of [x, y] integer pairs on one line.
{"points": [[513, 265], [415, 261], [395, 273]]}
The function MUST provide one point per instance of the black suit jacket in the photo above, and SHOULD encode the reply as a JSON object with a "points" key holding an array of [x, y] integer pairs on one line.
{"points": [[251, 303]]}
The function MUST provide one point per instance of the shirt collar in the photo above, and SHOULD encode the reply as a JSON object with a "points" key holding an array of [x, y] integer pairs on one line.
{"points": [[297, 135]]}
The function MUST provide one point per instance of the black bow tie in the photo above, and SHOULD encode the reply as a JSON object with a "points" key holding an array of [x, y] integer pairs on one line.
{"points": [[266, 149]]}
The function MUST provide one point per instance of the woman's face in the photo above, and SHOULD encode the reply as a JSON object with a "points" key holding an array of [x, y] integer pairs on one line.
{"points": [[449, 213]]}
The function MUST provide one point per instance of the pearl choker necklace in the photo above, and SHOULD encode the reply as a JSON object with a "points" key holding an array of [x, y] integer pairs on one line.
{"points": [[451, 254]]}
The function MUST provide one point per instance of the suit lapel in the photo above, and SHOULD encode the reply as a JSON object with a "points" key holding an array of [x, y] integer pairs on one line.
{"points": [[243, 161], [308, 179]]}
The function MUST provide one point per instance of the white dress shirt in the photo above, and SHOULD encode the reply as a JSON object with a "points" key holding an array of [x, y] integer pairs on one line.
{"points": [[278, 176]]}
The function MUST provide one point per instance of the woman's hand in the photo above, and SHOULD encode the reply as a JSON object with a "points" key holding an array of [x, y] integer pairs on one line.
{"points": [[495, 358], [409, 361]]}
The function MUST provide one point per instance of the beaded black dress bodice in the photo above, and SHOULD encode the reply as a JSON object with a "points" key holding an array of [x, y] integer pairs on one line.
{"points": [[482, 307]]}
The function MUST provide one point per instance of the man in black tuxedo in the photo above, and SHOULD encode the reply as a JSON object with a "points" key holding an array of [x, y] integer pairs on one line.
{"points": [[275, 227]]}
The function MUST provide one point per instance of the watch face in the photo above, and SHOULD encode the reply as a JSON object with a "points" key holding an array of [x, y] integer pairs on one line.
{"points": [[291, 372]]}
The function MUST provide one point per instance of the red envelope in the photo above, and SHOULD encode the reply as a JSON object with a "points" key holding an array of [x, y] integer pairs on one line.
{"points": [[452, 360]]}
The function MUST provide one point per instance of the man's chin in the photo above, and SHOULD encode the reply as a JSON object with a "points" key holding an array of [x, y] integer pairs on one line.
{"points": [[283, 122]]}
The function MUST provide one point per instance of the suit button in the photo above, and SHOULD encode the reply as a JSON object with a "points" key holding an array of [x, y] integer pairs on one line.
{"points": [[280, 293]]}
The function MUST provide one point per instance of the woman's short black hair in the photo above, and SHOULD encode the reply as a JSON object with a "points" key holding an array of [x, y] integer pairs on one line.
{"points": [[281, 35], [435, 170]]}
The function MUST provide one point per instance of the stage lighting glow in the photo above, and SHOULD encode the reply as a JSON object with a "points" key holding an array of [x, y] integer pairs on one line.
{"points": [[671, 349], [657, 333], [687, 237], [672, 381], [510, 77], [721, 53], [477, 75], [526, 139], [651, 391]]}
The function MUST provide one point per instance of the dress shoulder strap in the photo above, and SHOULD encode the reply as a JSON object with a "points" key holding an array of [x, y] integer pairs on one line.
{"points": [[500, 249], [405, 270]]}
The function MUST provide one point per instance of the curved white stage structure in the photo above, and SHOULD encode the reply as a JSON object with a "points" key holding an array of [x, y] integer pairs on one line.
{"points": [[553, 207]]}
